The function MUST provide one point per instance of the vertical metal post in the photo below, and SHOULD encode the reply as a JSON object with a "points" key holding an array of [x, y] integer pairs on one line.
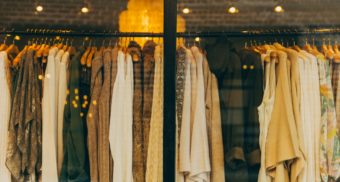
{"points": [[169, 131]]}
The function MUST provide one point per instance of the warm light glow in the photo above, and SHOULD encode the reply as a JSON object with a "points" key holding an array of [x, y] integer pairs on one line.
{"points": [[186, 10], [145, 16], [197, 39], [233, 10], [17, 37], [39, 8], [278, 9], [84, 9]]}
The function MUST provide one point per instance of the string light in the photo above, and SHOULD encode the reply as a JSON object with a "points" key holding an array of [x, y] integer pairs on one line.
{"points": [[197, 39], [186, 10], [278, 9], [39, 8], [233, 10]]}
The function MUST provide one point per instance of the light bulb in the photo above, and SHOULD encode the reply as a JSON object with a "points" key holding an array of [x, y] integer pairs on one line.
{"points": [[84, 9], [39, 8], [17, 37], [232, 10], [278, 9], [186, 10], [197, 39]]}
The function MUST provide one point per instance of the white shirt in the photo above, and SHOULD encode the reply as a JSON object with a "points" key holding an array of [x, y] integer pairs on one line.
{"points": [[61, 105], [185, 136], [120, 133], [49, 112], [5, 111], [199, 155], [312, 115]]}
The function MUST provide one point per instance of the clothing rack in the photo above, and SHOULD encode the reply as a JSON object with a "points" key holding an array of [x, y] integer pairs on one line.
{"points": [[246, 32], [170, 35]]}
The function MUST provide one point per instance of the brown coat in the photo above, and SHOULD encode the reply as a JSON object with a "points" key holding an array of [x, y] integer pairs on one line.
{"points": [[105, 165], [139, 166], [93, 115], [148, 80]]}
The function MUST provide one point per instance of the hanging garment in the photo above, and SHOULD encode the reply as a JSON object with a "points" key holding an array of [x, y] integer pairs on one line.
{"points": [[148, 80], [62, 93], [180, 85], [103, 169], [92, 119], [5, 111], [139, 163], [199, 154], [213, 117], [114, 69], [265, 110], [217, 153], [295, 89], [334, 168], [252, 85], [75, 162], [328, 119], [194, 88], [184, 126], [282, 139], [154, 170], [49, 105], [316, 114], [311, 102], [226, 65], [305, 109], [24, 133], [295, 86], [120, 134]]}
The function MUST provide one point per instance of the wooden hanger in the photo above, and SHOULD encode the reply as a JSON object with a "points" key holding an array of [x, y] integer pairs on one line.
{"points": [[315, 49], [330, 48], [65, 47], [90, 57], [335, 47], [12, 49], [325, 50], [307, 47], [3, 46], [17, 59], [83, 59], [71, 50], [295, 47], [336, 57]]}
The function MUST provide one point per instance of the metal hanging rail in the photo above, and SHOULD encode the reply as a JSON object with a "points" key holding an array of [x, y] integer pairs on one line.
{"points": [[244, 33]]}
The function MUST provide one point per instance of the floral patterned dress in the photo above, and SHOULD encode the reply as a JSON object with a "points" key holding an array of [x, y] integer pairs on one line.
{"points": [[328, 120]]}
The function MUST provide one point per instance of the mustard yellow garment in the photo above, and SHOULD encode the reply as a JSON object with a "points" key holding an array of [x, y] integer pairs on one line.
{"points": [[282, 147]]}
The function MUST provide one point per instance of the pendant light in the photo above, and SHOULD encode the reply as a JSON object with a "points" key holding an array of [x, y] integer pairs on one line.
{"points": [[278, 8], [186, 10], [38, 7], [232, 9], [85, 8]]}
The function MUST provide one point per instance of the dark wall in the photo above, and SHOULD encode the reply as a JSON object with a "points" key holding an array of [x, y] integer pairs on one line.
{"points": [[103, 14]]}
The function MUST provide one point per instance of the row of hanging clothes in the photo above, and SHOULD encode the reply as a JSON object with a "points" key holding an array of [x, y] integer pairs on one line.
{"points": [[83, 113], [258, 113]]}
